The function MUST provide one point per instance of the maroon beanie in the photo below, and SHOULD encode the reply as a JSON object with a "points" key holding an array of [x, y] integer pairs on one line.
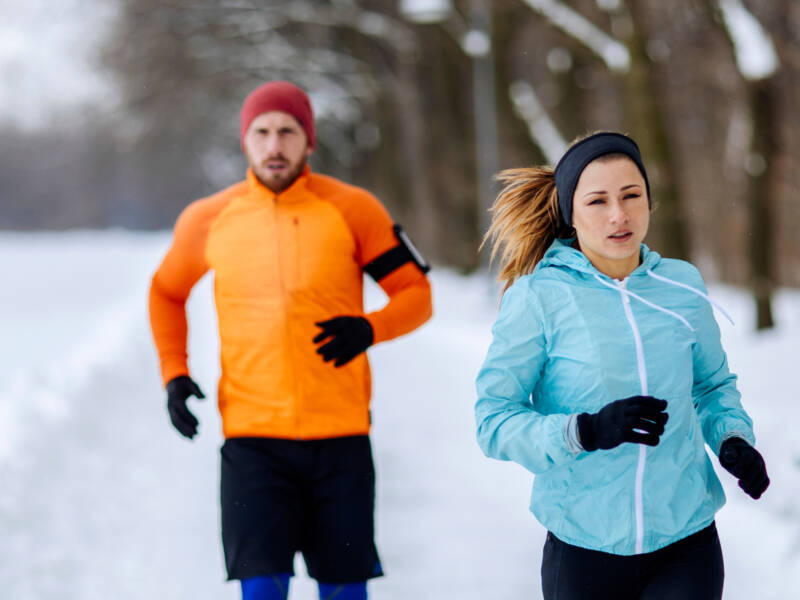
{"points": [[283, 96]]}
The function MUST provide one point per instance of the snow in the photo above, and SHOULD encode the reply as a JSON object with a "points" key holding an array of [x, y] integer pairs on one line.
{"points": [[541, 128], [755, 52], [426, 11], [476, 43], [615, 54], [102, 499]]}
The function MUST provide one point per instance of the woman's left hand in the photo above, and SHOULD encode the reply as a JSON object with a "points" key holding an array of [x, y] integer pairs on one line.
{"points": [[746, 464]]}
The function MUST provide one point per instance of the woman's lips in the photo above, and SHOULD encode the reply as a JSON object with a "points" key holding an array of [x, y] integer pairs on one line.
{"points": [[621, 237]]}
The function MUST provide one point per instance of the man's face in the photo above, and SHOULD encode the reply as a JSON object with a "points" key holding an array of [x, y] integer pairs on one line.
{"points": [[276, 147]]}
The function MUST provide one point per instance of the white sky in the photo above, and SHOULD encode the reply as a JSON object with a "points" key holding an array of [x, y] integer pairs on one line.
{"points": [[46, 57]]}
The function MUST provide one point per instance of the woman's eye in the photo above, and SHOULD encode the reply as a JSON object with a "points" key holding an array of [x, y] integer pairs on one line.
{"points": [[631, 196], [597, 201]]}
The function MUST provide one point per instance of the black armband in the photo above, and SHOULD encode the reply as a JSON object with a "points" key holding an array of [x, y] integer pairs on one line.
{"points": [[393, 259]]}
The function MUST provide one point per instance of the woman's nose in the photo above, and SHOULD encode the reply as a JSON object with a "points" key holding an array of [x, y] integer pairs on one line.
{"points": [[618, 213]]}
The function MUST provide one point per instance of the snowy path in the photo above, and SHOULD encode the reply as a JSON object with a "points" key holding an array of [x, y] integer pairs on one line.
{"points": [[102, 499]]}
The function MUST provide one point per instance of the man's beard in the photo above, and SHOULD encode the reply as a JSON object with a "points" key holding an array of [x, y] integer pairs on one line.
{"points": [[283, 181]]}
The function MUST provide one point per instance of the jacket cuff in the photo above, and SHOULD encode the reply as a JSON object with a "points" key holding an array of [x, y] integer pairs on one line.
{"points": [[571, 435], [170, 369], [747, 437], [379, 331]]}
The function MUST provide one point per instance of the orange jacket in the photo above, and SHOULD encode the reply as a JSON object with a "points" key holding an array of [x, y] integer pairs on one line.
{"points": [[282, 263]]}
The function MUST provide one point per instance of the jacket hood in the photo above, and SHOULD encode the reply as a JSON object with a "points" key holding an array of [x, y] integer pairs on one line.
{"points": [[562, 255]]}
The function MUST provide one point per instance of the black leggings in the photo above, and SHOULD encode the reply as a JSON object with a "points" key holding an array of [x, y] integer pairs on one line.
{"points": [[689, 569]]}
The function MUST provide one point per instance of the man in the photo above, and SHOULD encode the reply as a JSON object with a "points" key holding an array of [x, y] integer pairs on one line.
{"points": [[288, 248]]}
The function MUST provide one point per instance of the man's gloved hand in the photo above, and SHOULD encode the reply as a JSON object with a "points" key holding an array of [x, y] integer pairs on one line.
{"points": [[350, 336], [638, 419], [178, 391], [746, 464]]}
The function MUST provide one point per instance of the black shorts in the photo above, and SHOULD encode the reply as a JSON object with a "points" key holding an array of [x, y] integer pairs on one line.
{"points": [[316, 497], [689, 569]]}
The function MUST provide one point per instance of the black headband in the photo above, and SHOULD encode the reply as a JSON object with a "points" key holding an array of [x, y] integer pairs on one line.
{"points": [[569, 168]]}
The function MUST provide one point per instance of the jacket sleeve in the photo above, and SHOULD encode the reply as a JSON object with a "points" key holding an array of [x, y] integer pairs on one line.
{"points": [[409, 306], [409, 291], [508, 426], [183, 265], [716, 398]]}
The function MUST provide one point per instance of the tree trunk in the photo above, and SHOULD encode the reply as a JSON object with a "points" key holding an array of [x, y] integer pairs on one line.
{"points": [[761, 197], [649, 119]]}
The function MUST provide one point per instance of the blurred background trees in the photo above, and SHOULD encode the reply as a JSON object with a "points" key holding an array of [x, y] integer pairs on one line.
{"points": [[420, 100]]}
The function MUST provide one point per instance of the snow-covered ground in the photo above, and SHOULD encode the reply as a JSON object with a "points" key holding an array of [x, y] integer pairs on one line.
{"points": [[102, 499]]}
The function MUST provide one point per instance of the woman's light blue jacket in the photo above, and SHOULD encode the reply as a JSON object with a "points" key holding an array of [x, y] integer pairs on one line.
{"points": [[568, 340]]}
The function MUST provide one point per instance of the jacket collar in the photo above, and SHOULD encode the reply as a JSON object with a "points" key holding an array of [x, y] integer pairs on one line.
{"points": [[295, 192], [562, 255]]}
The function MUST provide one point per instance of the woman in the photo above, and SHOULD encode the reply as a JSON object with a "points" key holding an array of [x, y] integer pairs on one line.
{"points": [[606, 378]]}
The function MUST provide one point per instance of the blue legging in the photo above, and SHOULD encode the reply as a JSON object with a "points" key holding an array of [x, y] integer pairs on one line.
{"points": [[268, 587], [276, 587], [343, 591]]}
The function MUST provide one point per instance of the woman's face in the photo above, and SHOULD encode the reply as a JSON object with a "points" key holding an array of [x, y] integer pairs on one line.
{"points": [[610, 214]]}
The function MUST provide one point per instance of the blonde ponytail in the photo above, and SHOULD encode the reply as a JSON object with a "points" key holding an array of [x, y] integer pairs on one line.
{"points": [[525, 220]]}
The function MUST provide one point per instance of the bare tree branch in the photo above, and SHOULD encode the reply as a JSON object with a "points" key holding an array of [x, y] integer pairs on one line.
{"points": [[615, 54]]}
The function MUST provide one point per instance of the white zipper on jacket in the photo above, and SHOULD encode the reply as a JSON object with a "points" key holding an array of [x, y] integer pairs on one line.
{"points": [[621, 287], [666, 311], [638, 502]]}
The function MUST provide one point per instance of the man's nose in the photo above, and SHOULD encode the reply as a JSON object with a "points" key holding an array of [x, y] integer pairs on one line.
{"points": [[272, 144]]}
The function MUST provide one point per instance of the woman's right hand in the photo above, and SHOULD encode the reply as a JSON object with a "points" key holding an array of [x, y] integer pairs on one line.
{"points": [[638, 420]]}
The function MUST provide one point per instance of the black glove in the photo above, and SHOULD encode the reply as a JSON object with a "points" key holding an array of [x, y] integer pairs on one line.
{"points": [[351, 336], [638, 419], [746, 464], [178, 391]]}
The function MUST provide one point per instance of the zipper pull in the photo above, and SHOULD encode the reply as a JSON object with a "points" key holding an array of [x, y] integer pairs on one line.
{"points": [[623, 286]]}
